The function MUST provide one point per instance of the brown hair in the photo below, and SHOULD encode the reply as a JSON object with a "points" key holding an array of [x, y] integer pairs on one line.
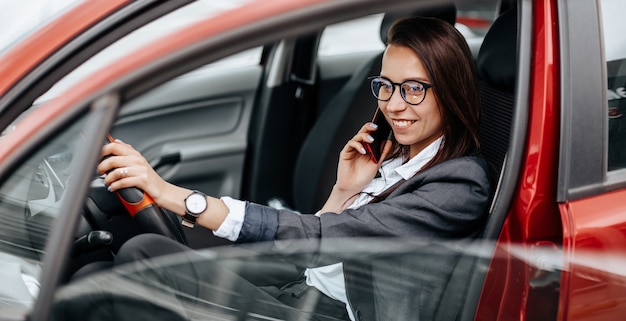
{"points": [[448, 61]]}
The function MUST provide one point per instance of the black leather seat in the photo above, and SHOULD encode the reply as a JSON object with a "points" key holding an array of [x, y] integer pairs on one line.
{"points": [[496, 63], [497, 69], [340, 119]]}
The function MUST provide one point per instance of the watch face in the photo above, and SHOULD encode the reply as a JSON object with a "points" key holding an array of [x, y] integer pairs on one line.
{"points": [[196, 203]]}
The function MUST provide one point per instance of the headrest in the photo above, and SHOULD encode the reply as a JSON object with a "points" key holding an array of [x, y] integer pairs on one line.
{"points": [[496, 61], [446, 12]]}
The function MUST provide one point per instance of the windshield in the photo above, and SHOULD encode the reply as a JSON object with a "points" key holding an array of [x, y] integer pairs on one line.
{"points": [[20, 18]]}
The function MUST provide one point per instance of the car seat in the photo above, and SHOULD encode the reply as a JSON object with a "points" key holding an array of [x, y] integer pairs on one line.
{"points": [[497, 69], [496, 63], [316, 165]]}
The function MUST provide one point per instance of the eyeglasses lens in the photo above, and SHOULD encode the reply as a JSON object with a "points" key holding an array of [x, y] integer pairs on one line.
{"points": [[382, 88], [411, 91]]}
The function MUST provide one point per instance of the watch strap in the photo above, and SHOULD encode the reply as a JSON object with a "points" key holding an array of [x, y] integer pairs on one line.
{"points": [[188, 220]]}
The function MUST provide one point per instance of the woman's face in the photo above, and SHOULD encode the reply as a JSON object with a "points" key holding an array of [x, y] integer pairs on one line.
{"points": [[413, 125]]}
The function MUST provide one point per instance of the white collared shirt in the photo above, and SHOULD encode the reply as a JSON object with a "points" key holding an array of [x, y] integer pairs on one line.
{"points": [[329, 279]]}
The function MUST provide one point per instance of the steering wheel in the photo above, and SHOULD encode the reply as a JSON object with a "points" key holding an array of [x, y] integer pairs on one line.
{"points": [[113, 218], [150, 217]]}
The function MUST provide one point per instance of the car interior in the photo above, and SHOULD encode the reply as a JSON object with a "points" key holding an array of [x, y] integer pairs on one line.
{"points": [[270, 133], [278, 126], [293, 139]]}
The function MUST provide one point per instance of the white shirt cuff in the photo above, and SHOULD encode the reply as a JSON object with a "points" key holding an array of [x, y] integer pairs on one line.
{"points": [[231, 226]]}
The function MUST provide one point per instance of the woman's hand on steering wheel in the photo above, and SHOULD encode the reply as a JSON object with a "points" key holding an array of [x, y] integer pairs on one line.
{"points": [[125, 167]]}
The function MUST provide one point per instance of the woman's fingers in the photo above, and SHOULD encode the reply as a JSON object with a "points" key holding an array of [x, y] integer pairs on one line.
{"points": [[118, 148], [123, 183], [362, 136], [115, 179], [356, 146], [368, 127], [356, 143], [110, 163], [123, 166], [127, 176], [111, 151]]}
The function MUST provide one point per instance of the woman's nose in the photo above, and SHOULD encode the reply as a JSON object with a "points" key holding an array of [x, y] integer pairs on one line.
{"points": [[396, 103]]}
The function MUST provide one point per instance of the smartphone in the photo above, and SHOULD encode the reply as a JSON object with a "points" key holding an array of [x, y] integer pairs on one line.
{"points": [[383, 133]]}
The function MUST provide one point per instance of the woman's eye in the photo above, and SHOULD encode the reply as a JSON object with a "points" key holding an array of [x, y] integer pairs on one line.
{"points": [[414, 89]]}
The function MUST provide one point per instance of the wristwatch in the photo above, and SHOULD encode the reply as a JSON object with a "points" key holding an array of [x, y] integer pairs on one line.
{"points": [[195, 204]]}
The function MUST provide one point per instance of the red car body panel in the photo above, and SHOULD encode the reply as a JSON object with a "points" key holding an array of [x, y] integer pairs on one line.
{"points": [[594, 253], [533, 218], [26, 55]]}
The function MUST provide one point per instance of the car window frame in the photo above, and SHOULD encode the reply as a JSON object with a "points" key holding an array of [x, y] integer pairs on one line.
{"points": [[177, 18], [100, 115], [615, 178], [75, 52], [582, 161], [47, 14]]}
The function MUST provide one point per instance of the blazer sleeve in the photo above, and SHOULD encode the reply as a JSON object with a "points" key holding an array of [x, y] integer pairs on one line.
{"points": [[446, 201]]}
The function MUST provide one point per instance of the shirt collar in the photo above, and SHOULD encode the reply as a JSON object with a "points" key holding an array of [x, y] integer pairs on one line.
{"points": [[408, 169]]}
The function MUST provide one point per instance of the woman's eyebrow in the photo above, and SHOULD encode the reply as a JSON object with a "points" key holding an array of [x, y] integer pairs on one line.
{"points": [[422, 79]]}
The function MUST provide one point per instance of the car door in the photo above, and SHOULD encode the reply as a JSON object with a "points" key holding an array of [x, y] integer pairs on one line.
{"points": [[64, 129], [592, 177], [39, 185], [193, 129], [37, 62], [166, 102]]}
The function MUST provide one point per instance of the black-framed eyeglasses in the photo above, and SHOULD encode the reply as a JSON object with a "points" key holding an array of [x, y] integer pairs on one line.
{"points": [[412, 91]]}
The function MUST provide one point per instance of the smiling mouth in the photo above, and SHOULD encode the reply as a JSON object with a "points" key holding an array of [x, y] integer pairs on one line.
{"points": [[403, 123]]}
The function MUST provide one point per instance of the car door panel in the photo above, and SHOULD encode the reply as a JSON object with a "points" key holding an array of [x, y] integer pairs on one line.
{"points": [[593, 195], [594, 279], [193, 129]]}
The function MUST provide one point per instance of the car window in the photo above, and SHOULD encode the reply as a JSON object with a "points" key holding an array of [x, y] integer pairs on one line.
{"points": [[230, 295], [615, 55], [363, 34], [358, 35], [169, 23], [30, 201]]}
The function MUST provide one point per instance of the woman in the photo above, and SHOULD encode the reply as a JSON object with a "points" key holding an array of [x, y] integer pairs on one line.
{"points": [[433, 182]]}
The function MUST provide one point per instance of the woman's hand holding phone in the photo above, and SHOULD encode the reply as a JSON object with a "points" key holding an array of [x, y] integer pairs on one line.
{"points": [[381, 135], [355, 170]]}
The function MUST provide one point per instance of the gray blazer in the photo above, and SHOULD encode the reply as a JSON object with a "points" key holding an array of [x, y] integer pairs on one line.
{"points": [[447, 201]]}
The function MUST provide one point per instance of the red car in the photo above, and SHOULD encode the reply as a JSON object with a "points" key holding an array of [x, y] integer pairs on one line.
{"points": [[251, 99]]}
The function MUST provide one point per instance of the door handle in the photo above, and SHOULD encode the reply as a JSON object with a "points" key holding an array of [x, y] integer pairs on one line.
{"points": [[166, 160]]}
